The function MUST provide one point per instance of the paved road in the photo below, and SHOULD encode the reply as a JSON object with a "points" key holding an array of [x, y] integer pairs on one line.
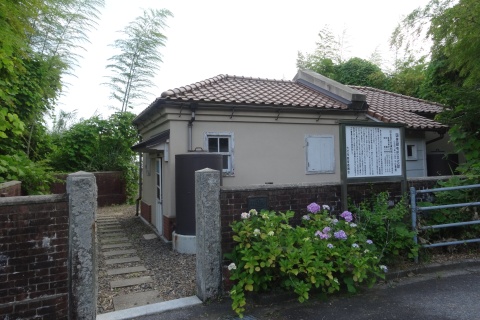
{"points": [[441, 295]]}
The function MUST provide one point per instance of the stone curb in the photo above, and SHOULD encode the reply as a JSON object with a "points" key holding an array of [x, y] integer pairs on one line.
{"points": [[433, 267], [155, 308]]}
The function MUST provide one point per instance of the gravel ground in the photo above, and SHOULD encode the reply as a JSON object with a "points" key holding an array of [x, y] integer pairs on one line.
{"points": [[173, 273]]}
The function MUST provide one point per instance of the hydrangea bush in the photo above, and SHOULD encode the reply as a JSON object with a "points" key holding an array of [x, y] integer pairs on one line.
{"points": [[323, 253]]}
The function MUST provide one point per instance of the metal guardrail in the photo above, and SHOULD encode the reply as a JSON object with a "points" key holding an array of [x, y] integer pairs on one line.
{"points": [[416, 209]]}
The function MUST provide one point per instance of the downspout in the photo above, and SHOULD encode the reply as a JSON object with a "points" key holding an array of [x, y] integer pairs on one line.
{"points": [[440, 137], [190, 134], [140, 185], [140, 180]]}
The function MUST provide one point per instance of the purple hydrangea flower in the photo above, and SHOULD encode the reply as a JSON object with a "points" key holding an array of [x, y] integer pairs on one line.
{"points": [[369, 241], [347, 215], [306, 217], [322, 235], [326, 230], [313, 207], [340, 235]]}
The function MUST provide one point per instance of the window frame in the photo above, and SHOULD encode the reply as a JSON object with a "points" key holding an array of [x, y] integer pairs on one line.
{"points": [[414, 155], [231, 170]]}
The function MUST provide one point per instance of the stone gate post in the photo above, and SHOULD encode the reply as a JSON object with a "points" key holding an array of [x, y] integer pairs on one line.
{"points": [[82, 203], [208, 233]]}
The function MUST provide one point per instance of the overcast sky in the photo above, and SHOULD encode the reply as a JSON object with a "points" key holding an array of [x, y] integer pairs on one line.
{"points": [[245, 38]]}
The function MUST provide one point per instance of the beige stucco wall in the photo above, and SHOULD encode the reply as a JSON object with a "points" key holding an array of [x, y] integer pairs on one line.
{"points": [[268, 147]]}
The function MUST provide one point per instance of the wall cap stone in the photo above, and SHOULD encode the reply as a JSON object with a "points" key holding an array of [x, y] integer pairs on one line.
{"points": [[14, 201]]}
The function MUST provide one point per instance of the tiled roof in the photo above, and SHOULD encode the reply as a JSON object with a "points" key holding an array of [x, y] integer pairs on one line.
{"points": [[225, 89], [255, 91], [392, 107]]}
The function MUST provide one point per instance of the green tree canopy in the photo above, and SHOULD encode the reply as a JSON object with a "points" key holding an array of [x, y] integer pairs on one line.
{"points": [[98, 144], [453, 73], [37, 40]]}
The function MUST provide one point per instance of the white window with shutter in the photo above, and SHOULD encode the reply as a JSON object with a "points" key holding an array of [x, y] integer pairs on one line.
{"points": [[320, 154]]}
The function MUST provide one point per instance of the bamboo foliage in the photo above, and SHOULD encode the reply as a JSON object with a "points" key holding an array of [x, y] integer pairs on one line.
{"points": [[138, 60]]}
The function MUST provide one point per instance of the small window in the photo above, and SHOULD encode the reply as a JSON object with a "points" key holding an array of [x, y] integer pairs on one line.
{"points": [[411, 152], [320, 154], [221, 142]]}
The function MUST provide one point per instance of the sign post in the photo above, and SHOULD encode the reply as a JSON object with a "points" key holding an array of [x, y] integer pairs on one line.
{"points": [[371, 151]]}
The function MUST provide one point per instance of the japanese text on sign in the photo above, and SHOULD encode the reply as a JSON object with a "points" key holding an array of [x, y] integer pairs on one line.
{"points": [[373, 151]]}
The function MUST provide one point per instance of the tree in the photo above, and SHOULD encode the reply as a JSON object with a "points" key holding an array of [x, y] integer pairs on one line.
{"points": [[37, 38], [98, 144], [135, 66], [454, 70], [360, 72], [327, 54]]}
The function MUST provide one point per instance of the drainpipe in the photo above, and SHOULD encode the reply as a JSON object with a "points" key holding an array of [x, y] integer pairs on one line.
{"points": [[190, 134], [140, 185], [440, 137]]}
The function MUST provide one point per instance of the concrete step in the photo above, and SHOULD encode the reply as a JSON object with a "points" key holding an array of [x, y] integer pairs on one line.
{"points": [[113, 234], [116, 245], [118, 252], [113, 272], [109, 231], [136, 299], [121, 260], [113, 240], [130, 282], [150, 236], [106, 219]]}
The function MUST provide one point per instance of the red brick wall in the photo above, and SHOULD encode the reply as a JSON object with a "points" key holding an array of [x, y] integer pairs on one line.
{"points": [[146, 211], [34, 257], [234, 201], [111, 187], [168, 227], [11, 189]]}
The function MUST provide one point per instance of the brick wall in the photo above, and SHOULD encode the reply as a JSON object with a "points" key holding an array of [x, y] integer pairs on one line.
{"points": [[33, 257], [168, 227], [234, 200], [111, 187], [11, 189], [146, 211]]}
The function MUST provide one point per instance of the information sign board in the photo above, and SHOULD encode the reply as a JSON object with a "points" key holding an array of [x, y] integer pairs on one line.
{"points": [[373, 151]]}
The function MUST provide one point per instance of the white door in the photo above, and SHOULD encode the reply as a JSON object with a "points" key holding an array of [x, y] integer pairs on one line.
{"points": [[158, 206]]}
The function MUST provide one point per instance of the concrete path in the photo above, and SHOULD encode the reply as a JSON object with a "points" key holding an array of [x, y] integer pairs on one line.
{"points": [[122, 262]]}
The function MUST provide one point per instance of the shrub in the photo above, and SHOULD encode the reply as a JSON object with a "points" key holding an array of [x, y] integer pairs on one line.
{"points": [[323, 252], [387, 227]]}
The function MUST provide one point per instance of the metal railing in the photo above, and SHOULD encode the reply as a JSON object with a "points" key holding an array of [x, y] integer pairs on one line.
{"points": [[416, 210]]}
